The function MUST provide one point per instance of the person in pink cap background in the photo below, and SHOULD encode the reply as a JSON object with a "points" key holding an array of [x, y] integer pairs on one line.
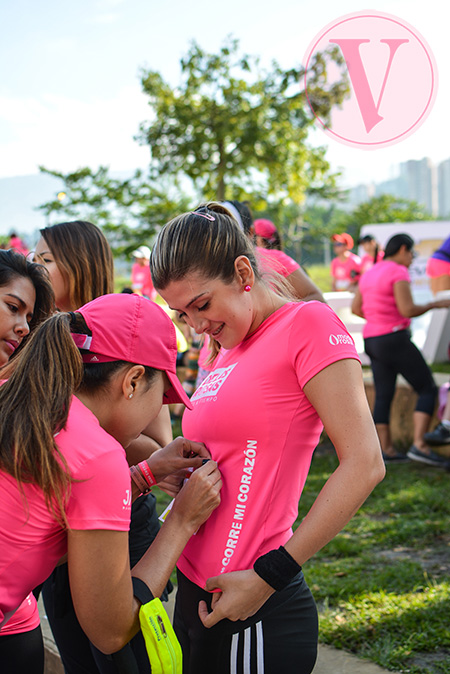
{"points": [[90, 382], [272, 257], [346, 266]]}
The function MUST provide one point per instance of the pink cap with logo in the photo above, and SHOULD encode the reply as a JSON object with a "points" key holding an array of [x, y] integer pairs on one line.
{"points": [[134, 329]]}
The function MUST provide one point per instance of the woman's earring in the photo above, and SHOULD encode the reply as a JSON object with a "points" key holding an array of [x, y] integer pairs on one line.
{"points": [[247, 288], [130, 395]]}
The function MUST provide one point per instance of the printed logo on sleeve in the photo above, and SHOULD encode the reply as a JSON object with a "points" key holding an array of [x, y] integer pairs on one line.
{"points": [[213, 383], [336, 340], [127, 500]]}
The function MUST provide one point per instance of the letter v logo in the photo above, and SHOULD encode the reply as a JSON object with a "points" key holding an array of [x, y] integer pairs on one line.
{"points": [[392, 76], [361, 87]]}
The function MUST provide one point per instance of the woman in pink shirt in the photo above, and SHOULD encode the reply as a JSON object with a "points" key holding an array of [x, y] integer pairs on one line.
{"points": [[346, 266], [372, 252], [385, 300], [283, 369], [65, 483]]}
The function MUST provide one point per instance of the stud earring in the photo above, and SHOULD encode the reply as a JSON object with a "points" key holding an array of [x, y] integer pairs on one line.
{"points": [[247, 288], [130, 395]]}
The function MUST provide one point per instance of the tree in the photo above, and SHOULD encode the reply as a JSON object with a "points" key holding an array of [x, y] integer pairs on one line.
{"points": [[232, 127], [130, 211], [383, 209]]}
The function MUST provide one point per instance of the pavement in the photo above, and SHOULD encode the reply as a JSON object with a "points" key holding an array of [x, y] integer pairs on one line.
{"points": [[330, 660]]}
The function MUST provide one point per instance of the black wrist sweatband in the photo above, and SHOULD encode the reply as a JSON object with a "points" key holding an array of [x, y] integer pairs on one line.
{"points": [[277, 568]]}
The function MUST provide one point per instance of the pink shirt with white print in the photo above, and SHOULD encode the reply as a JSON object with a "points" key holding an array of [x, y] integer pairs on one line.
{"points": [[254, 417]]}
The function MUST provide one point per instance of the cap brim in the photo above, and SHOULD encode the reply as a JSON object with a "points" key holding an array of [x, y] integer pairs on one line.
{"points": [[176, 393]]}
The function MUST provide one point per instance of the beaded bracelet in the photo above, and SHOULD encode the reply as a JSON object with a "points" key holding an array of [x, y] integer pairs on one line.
{"points": [[147, 473], [138, 480], [277, 568]]}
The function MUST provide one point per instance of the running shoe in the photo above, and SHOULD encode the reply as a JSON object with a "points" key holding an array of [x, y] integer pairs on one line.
{"points": [[398, 457], [440, 436], [431, 459]]}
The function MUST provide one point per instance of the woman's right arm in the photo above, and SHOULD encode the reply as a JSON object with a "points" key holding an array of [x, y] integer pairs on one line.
{"points": [[406, 305], [99, 569], [303, 287], [357, 304]]}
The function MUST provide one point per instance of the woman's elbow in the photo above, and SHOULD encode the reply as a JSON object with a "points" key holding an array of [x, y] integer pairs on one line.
{"points": [[110, 643], [377, 470]]}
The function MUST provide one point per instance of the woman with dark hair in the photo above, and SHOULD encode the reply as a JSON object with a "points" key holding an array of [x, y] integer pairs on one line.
{"points": [[83, 388], [26, 300], [385, 300], [283, 367], [373, 252]]}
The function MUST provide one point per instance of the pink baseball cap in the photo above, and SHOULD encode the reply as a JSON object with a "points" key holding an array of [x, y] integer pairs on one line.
{"points": [[134, 329], [264, 228]]}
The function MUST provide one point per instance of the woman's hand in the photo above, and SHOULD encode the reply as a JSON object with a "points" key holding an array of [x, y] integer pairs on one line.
{"points": [[179, 455], [172, 484], [242, 593], [198, 498]]}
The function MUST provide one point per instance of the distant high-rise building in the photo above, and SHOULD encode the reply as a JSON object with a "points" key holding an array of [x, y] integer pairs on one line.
{"points": [[418, 182], [444, 188], [393, 186]]}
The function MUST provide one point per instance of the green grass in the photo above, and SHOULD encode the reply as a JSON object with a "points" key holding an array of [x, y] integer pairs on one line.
{"points": [[383, 584], [320, 275]]}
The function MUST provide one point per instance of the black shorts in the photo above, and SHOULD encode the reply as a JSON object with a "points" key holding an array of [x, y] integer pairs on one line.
{"points": [[281, 637]]}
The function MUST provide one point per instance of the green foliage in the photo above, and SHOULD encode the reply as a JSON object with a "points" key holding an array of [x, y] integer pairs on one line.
{"points": [[236, 130], [383, 209], [130, 211], [382, 585]]}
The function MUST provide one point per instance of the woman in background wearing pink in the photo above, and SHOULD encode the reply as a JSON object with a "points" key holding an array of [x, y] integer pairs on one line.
{"points": [[346, 266], [141, 279], [286, 368], [272, 258], [385, 300], [372, 250]]}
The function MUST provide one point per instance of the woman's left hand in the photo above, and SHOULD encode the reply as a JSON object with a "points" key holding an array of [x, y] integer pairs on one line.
{"points": [[242, 593], [179, 455]]}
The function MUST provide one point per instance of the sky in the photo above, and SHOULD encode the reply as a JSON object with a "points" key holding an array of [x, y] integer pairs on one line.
{"points": [[70, 93]]}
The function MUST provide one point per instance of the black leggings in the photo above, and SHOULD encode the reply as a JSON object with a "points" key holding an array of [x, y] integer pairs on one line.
{"points": [[391, 355], [22, 652], [281, 637]]}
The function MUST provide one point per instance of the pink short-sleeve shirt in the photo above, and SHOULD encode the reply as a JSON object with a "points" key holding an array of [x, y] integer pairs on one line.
{"points": [[31, 540], [254, 417], [271, 259], [378, 301]]}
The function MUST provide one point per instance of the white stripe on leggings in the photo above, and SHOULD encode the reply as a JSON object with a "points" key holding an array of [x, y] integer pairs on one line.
{"points": [[247, 650]]}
